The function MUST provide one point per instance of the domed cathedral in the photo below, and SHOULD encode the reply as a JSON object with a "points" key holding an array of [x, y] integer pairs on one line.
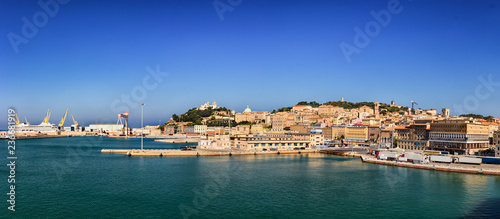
{"points": [[247, 110]]}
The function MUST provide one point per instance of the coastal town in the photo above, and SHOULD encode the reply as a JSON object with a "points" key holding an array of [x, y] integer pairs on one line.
{"points": [[307, 125]]}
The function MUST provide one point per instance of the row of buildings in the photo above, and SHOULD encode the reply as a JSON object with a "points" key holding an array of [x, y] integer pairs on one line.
{"points": [[412, 129]]}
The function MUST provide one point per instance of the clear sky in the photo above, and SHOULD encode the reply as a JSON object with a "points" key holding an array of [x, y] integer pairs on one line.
{"points": [[89, 56]]}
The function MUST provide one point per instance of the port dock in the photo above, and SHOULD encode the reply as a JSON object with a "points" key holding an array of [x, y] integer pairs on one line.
{"points": [[199, 152], [485, 169]]}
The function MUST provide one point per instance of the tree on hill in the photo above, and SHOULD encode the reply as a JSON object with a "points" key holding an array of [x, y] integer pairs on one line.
{"points": [[285, 109], [476, 116], [312, 103], [245, 123]]}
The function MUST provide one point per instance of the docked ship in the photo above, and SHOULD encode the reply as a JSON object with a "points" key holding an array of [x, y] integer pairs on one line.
{"points": [[44, 127]]}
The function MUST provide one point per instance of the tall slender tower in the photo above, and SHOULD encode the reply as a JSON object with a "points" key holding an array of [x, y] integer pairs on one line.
{"points": [[376, 109], [445, 112]]}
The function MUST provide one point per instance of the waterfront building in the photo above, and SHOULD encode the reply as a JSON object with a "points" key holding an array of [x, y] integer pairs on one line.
{"points": [[216, 131], [493, 127], [413, 137], [200, 129], [189, 129], [334, 132], [463, 136], [373, 133], [147, 130], [217, 142], [277, 141], [317, 138], [172, 129], [386, 137], [497, 150], [356, 134]]}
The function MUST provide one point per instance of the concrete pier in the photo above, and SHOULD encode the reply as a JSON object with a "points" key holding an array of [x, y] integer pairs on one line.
{"points": [[486, 169], [178, 140], [180, 153]]}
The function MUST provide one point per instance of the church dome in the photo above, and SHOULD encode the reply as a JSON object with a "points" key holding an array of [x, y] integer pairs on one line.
{"points": [[247, 110]]}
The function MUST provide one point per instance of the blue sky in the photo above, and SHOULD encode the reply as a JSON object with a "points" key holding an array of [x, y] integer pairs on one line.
{"points": [[265, 54]]}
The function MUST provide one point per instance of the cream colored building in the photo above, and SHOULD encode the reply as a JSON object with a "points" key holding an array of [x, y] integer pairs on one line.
{"points": [[371, 121], [459, 135], [269, 142], [317, 138], [216, 142], [326, 110], [208, 105], [201, 129], [334, 132], [251, 116], [257, 129], [356, 134], [366, 109], [282, 120], [240, 129]]}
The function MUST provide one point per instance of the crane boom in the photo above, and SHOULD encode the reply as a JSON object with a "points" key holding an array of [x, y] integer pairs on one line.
{"points": [[17, 119], [74, 121], [27, 123], [63, 119], [47, 117]]}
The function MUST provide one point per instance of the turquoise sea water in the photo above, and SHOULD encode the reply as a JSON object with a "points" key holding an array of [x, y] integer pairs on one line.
{"points": [[70, 178]]}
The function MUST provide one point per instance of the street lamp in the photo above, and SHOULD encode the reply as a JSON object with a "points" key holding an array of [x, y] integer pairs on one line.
{"points": [[142, 127]]}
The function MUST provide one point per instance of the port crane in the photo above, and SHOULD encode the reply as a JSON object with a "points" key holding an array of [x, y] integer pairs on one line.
{"points": [[17, 119], [27, 123], [63, 119], [74, 121], [47, 117]]}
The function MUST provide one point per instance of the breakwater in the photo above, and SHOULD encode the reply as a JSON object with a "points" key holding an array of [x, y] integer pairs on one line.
{"points": [[181, 153]]}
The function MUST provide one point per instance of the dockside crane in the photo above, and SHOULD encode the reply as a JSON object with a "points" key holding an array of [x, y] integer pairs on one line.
{"points": [[74, 121], [47, 117], [63, 119], [27, 123], [17, 119]]}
